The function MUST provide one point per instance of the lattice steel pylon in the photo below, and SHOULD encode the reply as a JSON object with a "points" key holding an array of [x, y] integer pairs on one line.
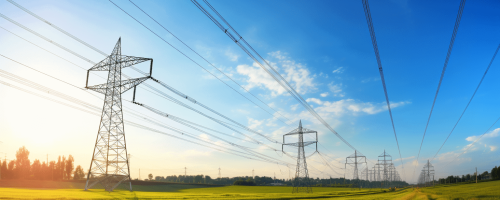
{"points": [[427, 174], [358, 159], [301, 182], [109, 165]]}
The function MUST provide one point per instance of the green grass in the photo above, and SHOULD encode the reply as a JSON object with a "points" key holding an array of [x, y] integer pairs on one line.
{"points": [[482, 190], [190, 192], [486, 190]]}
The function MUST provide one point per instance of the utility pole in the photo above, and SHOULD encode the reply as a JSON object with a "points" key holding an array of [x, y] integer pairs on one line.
{"points": [[109, 164], [301, 182], [253, 176], [219, 174], [140, 174]]}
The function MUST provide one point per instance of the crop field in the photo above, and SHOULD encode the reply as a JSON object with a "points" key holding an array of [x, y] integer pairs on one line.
{"points": [[486, 190]]}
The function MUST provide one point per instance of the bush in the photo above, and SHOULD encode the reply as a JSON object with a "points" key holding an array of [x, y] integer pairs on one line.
{"points": [[246, 183]]}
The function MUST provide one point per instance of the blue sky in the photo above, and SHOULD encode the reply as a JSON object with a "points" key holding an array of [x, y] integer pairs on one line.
{"points": [[324, 50]]}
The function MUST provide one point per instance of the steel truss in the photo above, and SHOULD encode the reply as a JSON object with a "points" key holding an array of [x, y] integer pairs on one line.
{"points": [[110, 162], [301, 182]]}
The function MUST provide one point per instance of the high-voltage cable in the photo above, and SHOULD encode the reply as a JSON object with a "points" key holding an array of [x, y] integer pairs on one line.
{"points": [[472, 97], [43, 37], [88, 60], [276, 76], [211, 110], [212, 64], [203, 114], [472, 144], [55, 77], [230, 143], [56, 27], [450, 48], [59, 57], [95, 108], [80, 56], [193, 60], [86, 44], [369, 21]]}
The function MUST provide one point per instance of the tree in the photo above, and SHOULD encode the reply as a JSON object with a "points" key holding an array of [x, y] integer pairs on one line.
{"points": [[79, 174], [494, 173], [69, 167], [4, 169], [150, 176], [36, 169], [51, 170], [11, 170], [22, 162], [44, 171]]}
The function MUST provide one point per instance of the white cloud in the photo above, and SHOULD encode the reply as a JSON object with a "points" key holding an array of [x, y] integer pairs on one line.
{"points": [[205, 137], [345, 106], [317, 101], [339, 70], [295, 73], [336, 89], [232, 56], [486, 141], [370, 79], [411, 157], [294, 107], [324, 94], [253, 123]]}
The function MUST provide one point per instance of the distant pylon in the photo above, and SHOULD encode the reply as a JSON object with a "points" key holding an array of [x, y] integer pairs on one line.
{"points": [[219, 173], [110, 165], [301, 182]]}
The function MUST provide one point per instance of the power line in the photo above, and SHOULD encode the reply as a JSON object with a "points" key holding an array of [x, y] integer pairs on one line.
{"points": [[55, 55], [276, 76], [475, 91], [366, 7], [193, 60], [147, 85], [472, 144], [88, 60], [450, 47], [211, 110], [212, 64], [96, 109]]}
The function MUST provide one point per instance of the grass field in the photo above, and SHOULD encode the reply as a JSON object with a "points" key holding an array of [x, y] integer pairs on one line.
{"points": [[487, 190]]}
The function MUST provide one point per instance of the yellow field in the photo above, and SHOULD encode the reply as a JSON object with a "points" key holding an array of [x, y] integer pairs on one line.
{"points": [[487, 190]]}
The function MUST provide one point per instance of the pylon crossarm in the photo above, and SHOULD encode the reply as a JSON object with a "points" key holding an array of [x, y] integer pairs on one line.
{"points": [[296, 144], [123, 61], [297, 132], [125, 85]]}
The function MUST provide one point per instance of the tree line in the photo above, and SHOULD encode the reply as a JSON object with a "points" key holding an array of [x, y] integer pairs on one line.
{"points": [[264, 180], [493, 175], [23, 168]]}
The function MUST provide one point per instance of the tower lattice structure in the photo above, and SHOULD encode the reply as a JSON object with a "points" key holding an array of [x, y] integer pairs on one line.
{"points": [[427, 174], [354, 160], [109, 165], [301, 181], [385, 160]]}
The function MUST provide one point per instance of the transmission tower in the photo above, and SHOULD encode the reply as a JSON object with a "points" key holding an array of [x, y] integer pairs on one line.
{"points": [[110, 164], [354, 160], [426, 174], [385, 162], [219, 174], [301, 182]]}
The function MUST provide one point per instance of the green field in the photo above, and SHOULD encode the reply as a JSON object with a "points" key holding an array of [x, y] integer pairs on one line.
{"points": [[486, 190]]}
